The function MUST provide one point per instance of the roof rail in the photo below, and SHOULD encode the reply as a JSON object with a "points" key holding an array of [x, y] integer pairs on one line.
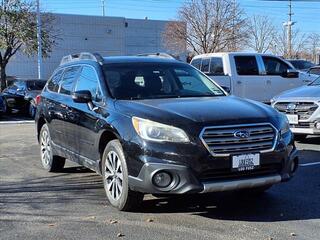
{"points": [[161, 55], [81, 56]]}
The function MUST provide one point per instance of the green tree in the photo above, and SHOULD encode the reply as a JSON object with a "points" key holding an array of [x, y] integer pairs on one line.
{"points": [[18, 32]]}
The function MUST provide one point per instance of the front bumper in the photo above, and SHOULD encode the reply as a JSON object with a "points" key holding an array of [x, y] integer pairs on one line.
{"points": [[305, 131], [186, 181]]}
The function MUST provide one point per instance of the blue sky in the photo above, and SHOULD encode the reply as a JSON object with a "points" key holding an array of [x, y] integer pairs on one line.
{"points": [[306, 13]]}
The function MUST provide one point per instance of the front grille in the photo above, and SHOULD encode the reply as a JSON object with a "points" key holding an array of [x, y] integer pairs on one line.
{"points": [[303, 109], [222, 140], [227, 174], [302, 125]]}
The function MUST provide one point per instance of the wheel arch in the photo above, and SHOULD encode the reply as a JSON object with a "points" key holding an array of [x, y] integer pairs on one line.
{"points": [[106, 136], [41, 121]]}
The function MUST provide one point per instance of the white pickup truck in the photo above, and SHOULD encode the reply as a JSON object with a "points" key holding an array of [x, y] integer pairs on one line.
{"points": [[250, 75]]}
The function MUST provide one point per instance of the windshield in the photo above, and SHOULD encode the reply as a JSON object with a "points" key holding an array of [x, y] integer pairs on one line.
{"points": [[300, 64], [156, 80]]}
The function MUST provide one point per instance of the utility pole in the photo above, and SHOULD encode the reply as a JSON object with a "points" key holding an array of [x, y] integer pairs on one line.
{"points": [[103, 8], [289, 25], [39, 40]]}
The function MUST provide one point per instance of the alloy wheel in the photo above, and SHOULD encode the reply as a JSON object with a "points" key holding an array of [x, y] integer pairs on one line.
{"points": [[113, 175]]}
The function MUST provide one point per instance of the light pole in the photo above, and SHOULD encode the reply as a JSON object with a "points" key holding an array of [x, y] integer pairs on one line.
{"points": [[289, 25], [39, 40], [103, 8]]}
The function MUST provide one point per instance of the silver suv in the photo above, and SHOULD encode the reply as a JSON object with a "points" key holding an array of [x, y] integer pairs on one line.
{"points": [[301, 106]]}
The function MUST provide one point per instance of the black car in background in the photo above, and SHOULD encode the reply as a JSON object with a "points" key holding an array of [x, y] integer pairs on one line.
{"points": [[21, 93], [159, 126], [3, 107], [302, 65]]}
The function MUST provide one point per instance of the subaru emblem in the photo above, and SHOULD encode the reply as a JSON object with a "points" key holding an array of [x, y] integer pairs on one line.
{"points": [[242, 134], [291, 106]]}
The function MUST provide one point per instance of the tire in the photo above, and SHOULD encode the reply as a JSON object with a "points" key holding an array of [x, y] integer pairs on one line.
{"points": [[300, 138], [49, 162], [31, 111], [115, 179]]}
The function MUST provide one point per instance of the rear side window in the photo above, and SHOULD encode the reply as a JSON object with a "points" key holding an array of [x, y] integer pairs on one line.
{"points": [[88, 80], [54, 82], [68, 79], [216, 66], [246, 65], [275, 66], [205, 65], [196, 63]]}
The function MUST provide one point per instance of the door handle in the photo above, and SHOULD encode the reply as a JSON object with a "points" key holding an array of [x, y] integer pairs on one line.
{"points": [[239, 82]]}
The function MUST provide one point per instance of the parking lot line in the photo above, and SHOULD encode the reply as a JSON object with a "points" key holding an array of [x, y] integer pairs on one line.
{"points": [[309, 164], [16, 122]]}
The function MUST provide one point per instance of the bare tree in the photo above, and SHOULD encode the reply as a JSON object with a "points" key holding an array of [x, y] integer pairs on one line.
{"points": [[261, 33], [299, 44], [18, 32], [210, 26], [314, 45]]}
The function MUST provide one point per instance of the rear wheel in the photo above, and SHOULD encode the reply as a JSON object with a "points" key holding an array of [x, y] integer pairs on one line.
{"points": [[31, 111], [49, 162], [115, 179]]}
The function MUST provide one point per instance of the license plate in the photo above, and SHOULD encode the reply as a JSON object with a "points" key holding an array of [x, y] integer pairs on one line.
{"points": [[293, 119], [245, 162]]}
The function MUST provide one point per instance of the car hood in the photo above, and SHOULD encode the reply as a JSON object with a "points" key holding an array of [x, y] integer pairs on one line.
{"points": [[304, 92], [205, 110]]}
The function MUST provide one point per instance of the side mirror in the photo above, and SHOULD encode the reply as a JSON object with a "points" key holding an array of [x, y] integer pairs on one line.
{"points": [[291, 73], [227, 89], [83, 96]]}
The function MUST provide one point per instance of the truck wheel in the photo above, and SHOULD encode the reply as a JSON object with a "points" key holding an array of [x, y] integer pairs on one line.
{"points": [[49, 162], [115, 179], [300, 138]]}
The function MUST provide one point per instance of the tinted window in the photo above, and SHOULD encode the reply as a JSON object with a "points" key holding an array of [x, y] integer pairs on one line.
{"points": [[69, 76], [275, 66], [156, 80], [53, 84], [88, 81], [196, 63], [36, 85], [246, 65], [216, 66], [205, 65]]}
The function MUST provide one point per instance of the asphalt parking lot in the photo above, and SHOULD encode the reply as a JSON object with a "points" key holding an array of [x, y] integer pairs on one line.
{"points": [[35, 204]]}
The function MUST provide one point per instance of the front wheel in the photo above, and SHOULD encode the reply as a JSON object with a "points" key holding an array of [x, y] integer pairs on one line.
{"points": [[115, 179], [49, 162], [31, 110]]}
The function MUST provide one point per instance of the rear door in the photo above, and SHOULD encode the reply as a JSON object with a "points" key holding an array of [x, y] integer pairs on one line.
{"points": [[248, 79], [276, 76], [55, 113], [70, 116]]}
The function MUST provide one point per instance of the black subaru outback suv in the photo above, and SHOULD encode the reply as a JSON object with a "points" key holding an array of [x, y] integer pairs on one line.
{"points": [[159, 126]]}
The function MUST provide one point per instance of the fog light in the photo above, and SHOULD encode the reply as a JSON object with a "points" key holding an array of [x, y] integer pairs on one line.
{"points": [[162, 179], [317, 125]]}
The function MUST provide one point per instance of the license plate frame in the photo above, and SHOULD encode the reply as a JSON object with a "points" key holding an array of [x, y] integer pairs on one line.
{"points": [[245, 162], [293, 118]]}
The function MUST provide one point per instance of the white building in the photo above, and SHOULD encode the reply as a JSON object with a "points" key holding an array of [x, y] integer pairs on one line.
{"points": [[108, 36]]}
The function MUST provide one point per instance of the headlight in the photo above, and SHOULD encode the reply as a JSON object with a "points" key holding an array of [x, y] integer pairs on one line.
{"points": [[272, 101], [284, 125], [154, 131]]}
